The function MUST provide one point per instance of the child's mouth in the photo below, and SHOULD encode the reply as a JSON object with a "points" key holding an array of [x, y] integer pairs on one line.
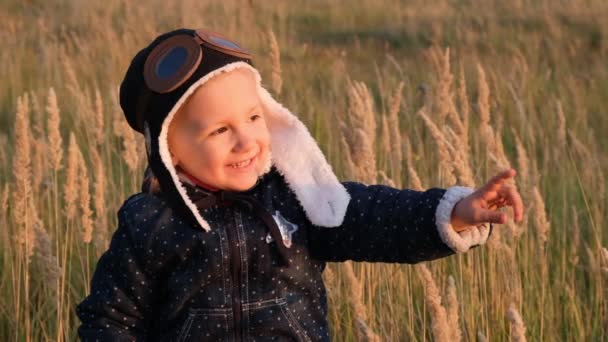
{"points": [[243, 165]]}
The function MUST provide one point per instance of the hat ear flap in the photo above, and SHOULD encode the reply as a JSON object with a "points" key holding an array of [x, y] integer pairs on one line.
{"points": [[299, 159]]}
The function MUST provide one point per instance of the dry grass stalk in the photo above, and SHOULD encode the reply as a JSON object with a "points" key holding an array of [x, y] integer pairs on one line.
{"points": [[99, 201], [99, 119], [579, 147], [439, 320], [329, 277], [361, 132], [386, 180], [584, 152], [26, 240], [460, 159], [463, 101], [40, 163], [129, 143], [604, 260], [444, 148], [361, 154], [452, 311], [455, 137], [518, 329], [36, 115], [275, 60], [4, 145], [361, 109], [510, 272], [592, 259], [22, 194], [77, 92], [37, 143], [519, 103], [84, 199], [70, 191], [444, 103], [525, 177], [503, 162], [523, 163], [593, 173], [481, 337], [366, 334], [395, 133], [348, 165], [415, 182], [363, 331], [561, 131], [53, 133], [483, 103], [4, 202], [47, 261], [4, 198], [386, 141], [22, 173], [576, 238], [364, 157], [540, 217], [489, 138]]}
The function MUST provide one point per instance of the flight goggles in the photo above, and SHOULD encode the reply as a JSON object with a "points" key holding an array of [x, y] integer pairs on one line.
{"points": [[173, 61]]}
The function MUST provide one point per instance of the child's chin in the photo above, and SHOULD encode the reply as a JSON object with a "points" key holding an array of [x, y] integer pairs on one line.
{"points": [[242, 185]]}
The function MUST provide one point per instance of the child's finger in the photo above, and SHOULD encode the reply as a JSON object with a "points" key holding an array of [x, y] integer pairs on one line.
{"points": [[514, 199], [492, 216], [495, 183]]}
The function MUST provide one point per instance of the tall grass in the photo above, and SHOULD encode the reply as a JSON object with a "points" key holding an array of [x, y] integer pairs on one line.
{"points": [[414, 95]]}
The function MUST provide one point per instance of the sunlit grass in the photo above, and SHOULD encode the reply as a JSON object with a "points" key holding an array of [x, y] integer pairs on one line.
{"points": [[537, 56]]}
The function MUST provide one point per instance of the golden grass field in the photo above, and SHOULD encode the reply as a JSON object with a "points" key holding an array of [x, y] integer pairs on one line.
{"points": [[413, 94]]}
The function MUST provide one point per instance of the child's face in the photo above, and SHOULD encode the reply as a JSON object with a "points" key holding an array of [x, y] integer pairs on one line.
{"points": [[220, 125]]}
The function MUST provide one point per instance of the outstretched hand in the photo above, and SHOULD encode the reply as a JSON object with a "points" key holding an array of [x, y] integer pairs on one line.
{"points": [[482, 205]]}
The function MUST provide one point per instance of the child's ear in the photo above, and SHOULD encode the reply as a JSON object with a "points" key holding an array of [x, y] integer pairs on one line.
{"points": [[174, 159]]}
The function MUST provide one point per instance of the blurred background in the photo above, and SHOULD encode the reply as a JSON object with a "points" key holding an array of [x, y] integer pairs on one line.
{"points": [[412, 94]]}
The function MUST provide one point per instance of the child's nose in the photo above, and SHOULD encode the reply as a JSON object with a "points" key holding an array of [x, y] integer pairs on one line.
{"points": [[244, 142]]}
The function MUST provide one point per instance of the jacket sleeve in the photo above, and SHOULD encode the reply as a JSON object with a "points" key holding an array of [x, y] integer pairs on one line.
{"points": [[384, 224], [121, 292]]}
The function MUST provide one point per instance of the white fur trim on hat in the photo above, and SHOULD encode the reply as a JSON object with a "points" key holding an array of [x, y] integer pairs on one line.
{"points": [[295, 154], [460, 242]]}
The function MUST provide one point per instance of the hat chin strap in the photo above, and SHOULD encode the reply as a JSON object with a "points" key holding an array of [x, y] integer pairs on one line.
{"points": [[295, 154]]}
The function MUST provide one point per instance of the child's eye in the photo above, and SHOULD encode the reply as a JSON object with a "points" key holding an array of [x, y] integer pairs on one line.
{"points": [[255, 117], [219, 131]]}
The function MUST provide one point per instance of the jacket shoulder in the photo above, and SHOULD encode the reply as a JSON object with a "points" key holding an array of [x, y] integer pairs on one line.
{"points": [[142, 204], [142, 212]]}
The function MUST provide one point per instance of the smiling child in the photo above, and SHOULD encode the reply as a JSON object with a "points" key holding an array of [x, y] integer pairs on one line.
{"points": [[241, 211]]}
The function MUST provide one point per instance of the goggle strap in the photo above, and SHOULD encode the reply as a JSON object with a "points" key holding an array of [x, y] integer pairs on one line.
{"points": [[140, 110]]}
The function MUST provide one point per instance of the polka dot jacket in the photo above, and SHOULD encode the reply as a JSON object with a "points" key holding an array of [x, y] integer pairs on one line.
{"points": [[165, 279]]}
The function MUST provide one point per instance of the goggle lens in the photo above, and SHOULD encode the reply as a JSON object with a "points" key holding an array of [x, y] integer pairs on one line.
{"points": [[174, 60], [218, 42], [224, 42], [170, 63]]}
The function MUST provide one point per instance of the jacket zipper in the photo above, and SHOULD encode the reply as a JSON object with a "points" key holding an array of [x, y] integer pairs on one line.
{"points": [[235, 267]]}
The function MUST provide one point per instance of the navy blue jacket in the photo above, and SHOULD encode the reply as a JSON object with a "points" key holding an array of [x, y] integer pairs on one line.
{"points": [[163, 279]]}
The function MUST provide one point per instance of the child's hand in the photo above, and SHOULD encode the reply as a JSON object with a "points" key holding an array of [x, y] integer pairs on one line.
{"points": [[482, 205]]}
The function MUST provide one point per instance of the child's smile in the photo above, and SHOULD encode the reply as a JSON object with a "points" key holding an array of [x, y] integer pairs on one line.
{"points": [[220, 136]]}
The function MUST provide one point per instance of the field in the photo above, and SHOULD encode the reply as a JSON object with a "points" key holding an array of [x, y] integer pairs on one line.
{"points": [[413, 94]]}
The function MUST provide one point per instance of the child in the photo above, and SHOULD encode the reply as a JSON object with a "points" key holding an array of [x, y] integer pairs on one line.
{"points": [[241, 210]]}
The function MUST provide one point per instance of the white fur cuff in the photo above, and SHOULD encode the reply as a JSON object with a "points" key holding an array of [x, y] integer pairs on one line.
{"points": [[462, 241]]}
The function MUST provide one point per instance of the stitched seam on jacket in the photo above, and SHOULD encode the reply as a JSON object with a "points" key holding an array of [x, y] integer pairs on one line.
{"points": [[244, 270], [293, 321], [225, 262]]}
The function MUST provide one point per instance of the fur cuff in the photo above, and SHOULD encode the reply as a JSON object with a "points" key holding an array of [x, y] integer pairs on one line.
{"points": [[462, 241]]}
